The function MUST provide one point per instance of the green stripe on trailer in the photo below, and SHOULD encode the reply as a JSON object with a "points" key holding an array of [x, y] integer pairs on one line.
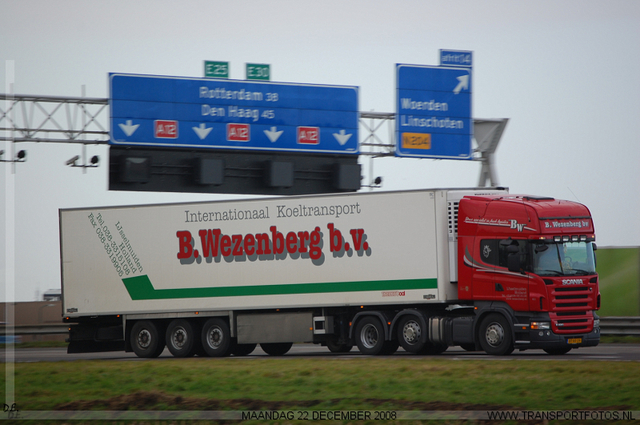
{"points": [[141, 288]]}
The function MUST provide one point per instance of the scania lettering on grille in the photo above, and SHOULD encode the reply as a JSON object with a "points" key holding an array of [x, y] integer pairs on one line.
{"points": [[572, 281]]}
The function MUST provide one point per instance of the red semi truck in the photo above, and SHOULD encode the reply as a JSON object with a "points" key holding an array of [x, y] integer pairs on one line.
{"points": [[425, 270]]}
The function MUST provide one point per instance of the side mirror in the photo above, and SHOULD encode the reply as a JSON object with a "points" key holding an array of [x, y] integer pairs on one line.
{"points": [[541, 248]]}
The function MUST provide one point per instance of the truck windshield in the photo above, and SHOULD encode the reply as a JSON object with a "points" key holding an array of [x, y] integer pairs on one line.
{"points": [[563, 259]]}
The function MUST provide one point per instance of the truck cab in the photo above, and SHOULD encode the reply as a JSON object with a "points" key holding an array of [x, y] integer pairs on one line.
{"points": [[531, 259]]}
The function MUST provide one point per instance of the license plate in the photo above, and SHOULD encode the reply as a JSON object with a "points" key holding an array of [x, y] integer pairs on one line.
{"points": [[574, 340]]}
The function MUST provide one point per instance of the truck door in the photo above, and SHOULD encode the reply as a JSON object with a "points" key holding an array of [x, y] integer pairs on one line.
{"points": [[496, 282], [512, 286]]}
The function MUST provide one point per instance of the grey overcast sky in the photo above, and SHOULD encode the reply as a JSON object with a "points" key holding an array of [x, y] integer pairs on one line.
{"points": [[564, 72]]}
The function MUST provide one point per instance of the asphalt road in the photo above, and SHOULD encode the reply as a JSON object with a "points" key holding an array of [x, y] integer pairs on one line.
{"points": [[603, 352]]}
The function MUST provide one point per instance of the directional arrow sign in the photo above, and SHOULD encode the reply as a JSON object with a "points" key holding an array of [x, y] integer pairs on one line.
{"points": [[342, 137], [129, 128], [202, 131], [462, 85], [433, 112], [233, 114], [273, 134]]}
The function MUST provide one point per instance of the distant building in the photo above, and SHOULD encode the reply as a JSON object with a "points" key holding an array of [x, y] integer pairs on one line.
{"points": [[52, 295]]}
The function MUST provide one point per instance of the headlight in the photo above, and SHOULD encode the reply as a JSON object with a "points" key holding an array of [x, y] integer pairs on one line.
{"points": [[540, 325], [596, 323]]}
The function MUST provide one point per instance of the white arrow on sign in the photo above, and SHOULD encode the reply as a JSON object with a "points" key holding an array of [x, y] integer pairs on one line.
{"points": [[129, 128], [342, 137], [273, 134], [463, 83], [202, 131]]}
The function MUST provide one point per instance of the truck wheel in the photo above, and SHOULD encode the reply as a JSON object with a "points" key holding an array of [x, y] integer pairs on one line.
{"points": [[495, 335], [370, 336], [216, 338], [410, 334], [336, 347], [147, 340], [182, 339], [276, 348], [243, 349], [557, 351]]}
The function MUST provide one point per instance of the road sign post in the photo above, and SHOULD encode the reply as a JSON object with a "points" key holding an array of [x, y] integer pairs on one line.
{"points": [[433, 117]]}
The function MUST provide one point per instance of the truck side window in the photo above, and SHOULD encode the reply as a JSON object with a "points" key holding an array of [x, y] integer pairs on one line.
{"points": [[489, 251], [503, 251]]}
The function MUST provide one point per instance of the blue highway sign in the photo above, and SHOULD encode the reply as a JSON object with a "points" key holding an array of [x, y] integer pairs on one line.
{"points": [[230, 114], [433, 112]]}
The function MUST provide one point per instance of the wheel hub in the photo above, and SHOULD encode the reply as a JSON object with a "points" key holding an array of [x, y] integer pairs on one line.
{"points": [[369, 336], [494, 334], [411, 332], [179, 338], [214, 337], [144, 339]]}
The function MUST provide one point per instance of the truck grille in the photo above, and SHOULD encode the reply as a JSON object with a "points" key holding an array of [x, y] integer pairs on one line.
{"points": [[571, 323], [572, 298], [570, 309]]}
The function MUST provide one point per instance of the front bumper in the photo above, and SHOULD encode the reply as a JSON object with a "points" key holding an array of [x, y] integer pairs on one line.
{"points": [[541, 339]]}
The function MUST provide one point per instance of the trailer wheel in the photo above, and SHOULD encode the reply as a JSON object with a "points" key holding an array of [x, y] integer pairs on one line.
{"points": [[242, 349], [182, 338], [495, 335], [410, 334], [276, 348], [370, 336], [557, 351], [216, 338], [147, 341]]}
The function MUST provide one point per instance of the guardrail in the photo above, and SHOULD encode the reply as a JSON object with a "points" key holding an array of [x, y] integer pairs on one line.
{"points": [[608, 326], [45, 329], [620, 326]]}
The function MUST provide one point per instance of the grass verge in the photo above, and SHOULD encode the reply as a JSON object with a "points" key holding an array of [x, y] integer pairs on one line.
{"points": [[323, 384]]}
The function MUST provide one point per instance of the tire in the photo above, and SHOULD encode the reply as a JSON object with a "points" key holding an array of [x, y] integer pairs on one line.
{"points": [[182, 338], [276, 348], [557, 351], [495, 335], [410, 334], [216, 338], [370, 336], [335, 347], [147, 340], [242, 349]]}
